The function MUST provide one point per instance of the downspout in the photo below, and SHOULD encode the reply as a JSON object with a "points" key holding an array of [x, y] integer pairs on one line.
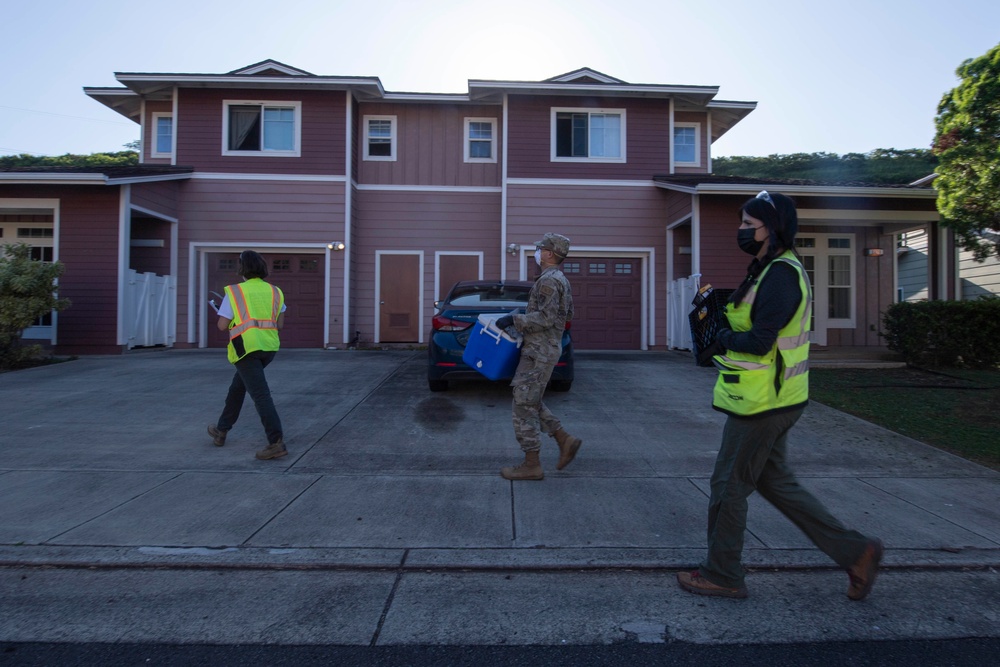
{"points": [[695, 234], [503, 197], [348, 200], [124, 238], [670, 134], [175, 121], [708, 142]]}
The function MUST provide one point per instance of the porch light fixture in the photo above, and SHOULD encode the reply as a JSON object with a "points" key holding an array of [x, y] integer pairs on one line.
{"points": [[335, 245], [513, 248]]}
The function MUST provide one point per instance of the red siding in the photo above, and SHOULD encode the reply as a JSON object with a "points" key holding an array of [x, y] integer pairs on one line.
{"points": [[426, 221], [199, 132], [257, 213], [88, 247], [429, 146], [647, 151]]}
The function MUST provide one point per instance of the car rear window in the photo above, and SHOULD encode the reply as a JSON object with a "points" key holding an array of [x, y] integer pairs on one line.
{"points": [[488, 297]]}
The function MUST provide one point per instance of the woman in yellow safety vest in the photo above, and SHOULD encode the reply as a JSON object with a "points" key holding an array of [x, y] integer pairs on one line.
{"points": [[763, 387], [252, 312]]}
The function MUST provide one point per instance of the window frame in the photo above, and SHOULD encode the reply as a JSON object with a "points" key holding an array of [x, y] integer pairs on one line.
{"points": [[10, 235], [296, 107], [155, 122], [697, 144], [467, 140], [622, 134], [393, 135]]}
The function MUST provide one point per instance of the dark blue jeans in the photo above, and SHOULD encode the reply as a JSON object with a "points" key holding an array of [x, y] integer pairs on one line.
{"points": [[249, 378]]}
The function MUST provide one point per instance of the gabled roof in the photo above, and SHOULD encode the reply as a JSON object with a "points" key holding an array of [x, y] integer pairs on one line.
{"points": [[273, 75], [271, 67], [741, 185], [96, 175]]}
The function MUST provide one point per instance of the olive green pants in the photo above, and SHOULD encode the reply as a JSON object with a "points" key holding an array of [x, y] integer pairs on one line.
{"points": [[752, 458]]}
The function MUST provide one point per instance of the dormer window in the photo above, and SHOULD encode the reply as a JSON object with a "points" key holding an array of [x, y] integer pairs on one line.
{"points": [[592, 135], [163, 135], [687, 149], [262, 128]]}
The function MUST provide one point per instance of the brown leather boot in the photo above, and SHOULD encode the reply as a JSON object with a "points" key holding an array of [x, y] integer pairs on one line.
{"points": [[530, 469], [568, 447]]}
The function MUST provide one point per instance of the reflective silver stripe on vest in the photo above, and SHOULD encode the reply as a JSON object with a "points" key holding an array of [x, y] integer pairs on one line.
{"points": [[792, 342], [745, 365], [256, 324], [798, 369]]}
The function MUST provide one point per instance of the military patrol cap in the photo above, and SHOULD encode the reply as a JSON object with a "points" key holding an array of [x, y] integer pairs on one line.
{"points": [[557, 243]]}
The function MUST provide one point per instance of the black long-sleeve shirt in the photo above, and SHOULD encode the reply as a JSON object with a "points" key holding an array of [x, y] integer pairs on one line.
{"points": [[778, 297]]}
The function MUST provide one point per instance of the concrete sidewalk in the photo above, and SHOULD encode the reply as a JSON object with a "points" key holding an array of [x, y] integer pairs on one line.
{"points": [[390, 502]]}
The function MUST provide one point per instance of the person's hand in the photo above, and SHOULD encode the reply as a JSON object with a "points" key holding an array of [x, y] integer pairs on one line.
{"points": [[704, 357], [505, 322]]}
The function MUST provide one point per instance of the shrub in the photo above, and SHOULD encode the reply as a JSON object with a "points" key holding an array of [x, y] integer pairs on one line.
{"points": [[945, 333], [27, 292]]}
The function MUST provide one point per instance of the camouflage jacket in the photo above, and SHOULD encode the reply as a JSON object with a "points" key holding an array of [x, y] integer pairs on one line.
{"points": [[550, 306]]}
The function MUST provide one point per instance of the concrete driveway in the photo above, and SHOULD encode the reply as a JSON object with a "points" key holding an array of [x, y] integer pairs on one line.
{"points": [[388, 523]]}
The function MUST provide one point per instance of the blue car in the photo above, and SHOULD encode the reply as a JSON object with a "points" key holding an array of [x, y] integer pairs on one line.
{"points": [[453, 323]]}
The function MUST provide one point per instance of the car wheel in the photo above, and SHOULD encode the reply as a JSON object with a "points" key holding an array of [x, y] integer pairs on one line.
{"points": [[561, 385], [438, 385]]}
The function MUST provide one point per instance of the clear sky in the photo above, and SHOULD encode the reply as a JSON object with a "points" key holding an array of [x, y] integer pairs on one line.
{"points": [[839, 76]]}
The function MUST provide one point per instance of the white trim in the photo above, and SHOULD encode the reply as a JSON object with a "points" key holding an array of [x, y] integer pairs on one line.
{"points": [[695, 234], [143, 131], [155, 132], [670, 130], [146, 243], [378, 286], [821, 253], [942, 253], [697, 143], [708, 140], [295, 106], [220, 176], [751, 189], [467, 140], [680, 221], [596, 183], [48, 205], [175, 104], [198, 267], [438, 254], [622, 135], [152, 213], [393, 134], [429, 188]]}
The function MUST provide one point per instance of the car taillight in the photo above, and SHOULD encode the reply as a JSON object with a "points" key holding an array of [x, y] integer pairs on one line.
{"points": [[441, 323]]}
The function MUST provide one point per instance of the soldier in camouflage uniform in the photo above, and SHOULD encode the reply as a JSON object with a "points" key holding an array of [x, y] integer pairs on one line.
{"points": [[550, 306]]}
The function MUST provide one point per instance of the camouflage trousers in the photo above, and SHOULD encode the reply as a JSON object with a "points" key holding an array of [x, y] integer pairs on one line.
{"points": [[530, 414]]}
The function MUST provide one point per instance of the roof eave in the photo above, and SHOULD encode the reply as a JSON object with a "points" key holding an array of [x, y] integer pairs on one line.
{"points": [[146, 84], [695, 95], [750, 188]]}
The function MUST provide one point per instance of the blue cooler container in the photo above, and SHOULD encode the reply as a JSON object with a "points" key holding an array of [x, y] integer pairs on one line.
{"points": [[492, 352]]}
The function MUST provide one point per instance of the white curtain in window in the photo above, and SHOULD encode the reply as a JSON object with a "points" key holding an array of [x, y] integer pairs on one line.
{"points": [[241, 121], [605, 135]]}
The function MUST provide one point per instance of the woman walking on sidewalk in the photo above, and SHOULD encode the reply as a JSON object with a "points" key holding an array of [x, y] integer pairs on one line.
{"points": [[763, 386]]}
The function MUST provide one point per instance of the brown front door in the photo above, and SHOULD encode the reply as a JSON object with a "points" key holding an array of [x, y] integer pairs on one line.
{"points": [[399, 298]]}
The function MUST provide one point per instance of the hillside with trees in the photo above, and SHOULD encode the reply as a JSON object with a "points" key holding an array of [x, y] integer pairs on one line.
{"points": [[882, 166]]}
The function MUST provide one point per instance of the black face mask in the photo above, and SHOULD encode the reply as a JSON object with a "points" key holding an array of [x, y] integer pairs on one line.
{"points": [[746, 241]]}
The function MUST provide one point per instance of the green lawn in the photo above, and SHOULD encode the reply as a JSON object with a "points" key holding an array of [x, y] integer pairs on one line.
{"points": [[956, 410]]}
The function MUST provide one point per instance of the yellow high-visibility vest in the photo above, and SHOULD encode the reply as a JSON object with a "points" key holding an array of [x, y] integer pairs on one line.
{"points": [[752, 385], [256, 306]]}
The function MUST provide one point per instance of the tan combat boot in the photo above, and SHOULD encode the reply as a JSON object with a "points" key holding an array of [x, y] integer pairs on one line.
{"points": [[530, 469], [568, 447], [273, 451]]}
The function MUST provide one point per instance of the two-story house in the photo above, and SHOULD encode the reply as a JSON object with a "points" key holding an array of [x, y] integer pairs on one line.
{"points": [[370, 204]]}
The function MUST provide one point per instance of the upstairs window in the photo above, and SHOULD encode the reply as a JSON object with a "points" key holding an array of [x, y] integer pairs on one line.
{"points": [[686, 144], [380, 138], [480, 139], [163, 135], [596, 135], [262, 128]]}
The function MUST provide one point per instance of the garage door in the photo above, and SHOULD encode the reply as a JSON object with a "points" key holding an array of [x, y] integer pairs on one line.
{"points": [[607, 300], [300, 278]]}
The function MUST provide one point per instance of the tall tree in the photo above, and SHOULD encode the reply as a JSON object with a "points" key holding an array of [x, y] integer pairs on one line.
{"points": [[967, 143]]}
